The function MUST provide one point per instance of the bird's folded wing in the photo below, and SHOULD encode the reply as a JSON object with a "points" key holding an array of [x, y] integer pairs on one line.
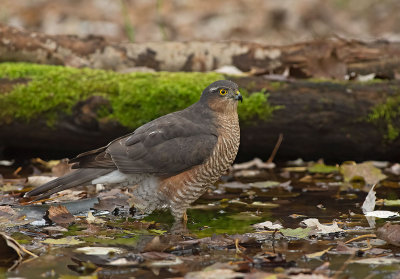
{"points": [[166, 147]]}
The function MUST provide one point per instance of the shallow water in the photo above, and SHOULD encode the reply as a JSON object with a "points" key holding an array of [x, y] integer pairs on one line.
{"points": [[225, 212]]}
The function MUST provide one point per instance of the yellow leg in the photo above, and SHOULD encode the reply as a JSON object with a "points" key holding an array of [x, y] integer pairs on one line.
{"points": [[185, 218], [180, 223]]}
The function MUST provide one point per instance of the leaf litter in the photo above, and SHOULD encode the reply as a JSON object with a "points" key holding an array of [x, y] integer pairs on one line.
{"points": [[262, 221]]}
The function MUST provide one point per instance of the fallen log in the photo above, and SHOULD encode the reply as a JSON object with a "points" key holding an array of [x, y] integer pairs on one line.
{"points": [[337, 58], [60, 111]]}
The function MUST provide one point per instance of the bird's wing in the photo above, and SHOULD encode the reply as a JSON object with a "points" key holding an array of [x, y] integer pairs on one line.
{"points": [[165, 146]]}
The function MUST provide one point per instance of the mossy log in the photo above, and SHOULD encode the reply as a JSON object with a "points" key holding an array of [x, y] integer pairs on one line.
{"points": [[53, 111], [338, 58]]}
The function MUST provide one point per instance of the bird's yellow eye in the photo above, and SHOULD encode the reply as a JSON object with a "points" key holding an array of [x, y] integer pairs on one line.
{"points": [[223, 91]]}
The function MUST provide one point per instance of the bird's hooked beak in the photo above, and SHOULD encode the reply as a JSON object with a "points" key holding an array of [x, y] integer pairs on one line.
{"points": [[238, 96]]}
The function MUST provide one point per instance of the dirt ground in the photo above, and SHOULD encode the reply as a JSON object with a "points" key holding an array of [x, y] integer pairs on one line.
{"points": [[271, 22]]}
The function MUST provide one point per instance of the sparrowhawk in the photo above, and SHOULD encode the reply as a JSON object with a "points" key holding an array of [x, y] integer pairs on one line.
{"points": [[171, 160]]}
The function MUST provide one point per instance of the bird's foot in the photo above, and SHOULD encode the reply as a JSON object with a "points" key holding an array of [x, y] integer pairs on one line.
{"points": [[178, 227]]}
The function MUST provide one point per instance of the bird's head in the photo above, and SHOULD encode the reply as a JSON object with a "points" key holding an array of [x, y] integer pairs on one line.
{"points": [[221, 95]]}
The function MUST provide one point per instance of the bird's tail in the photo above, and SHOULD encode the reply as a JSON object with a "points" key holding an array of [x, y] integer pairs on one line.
{"points": [[72, 179]]}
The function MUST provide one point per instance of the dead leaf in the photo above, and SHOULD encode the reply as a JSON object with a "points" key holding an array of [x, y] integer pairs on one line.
{"points": [[383, 214], [11, 252], [395, 169], [267, 225], [297, 233], [63, 241], [377, 261], [234, 186], [313, 223], [60, 215], [365, 78], [370, 200], [255, 163], [91, 219], [369, 206], [128, 261], [390, 233], [6, 163], [100, 250], [322, 168], [265, 184], [366, 171], [258, 204], [247, 173], [214, 274]]}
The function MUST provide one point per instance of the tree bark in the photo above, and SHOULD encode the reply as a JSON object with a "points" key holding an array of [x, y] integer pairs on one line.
{"points": [[338, 58], [324, 120]]}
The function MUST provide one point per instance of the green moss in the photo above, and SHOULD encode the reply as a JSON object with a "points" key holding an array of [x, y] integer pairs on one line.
{"points": [[135, 98], [387, 113], [255, 105]]}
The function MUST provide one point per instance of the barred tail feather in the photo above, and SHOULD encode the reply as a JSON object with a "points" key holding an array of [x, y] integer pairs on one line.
{"points": [[73, 179]]}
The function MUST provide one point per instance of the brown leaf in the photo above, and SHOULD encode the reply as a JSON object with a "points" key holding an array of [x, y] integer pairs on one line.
{"points": [[390, 233], [217, 273], [60, 215]]}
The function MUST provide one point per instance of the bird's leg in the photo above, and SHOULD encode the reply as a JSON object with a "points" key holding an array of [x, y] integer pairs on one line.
{"points": [[180, 222], [185, 219]]}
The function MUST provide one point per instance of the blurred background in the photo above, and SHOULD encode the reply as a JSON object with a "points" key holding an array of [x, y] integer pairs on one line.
{"points": [[270, 22]]}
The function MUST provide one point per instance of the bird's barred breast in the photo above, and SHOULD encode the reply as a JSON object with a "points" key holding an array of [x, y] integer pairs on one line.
{"points": [[188, 186]]}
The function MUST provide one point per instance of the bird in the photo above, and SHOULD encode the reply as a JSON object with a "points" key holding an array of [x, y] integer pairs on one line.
{"points": [[170, 161]]}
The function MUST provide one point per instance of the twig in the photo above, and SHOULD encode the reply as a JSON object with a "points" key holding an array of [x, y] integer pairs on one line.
{"points": [[277, 145], [17, 171], [28, 252], [360, 237]]}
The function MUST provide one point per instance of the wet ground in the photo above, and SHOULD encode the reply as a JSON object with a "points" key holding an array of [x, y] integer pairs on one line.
{"points": [[221, 240]]}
